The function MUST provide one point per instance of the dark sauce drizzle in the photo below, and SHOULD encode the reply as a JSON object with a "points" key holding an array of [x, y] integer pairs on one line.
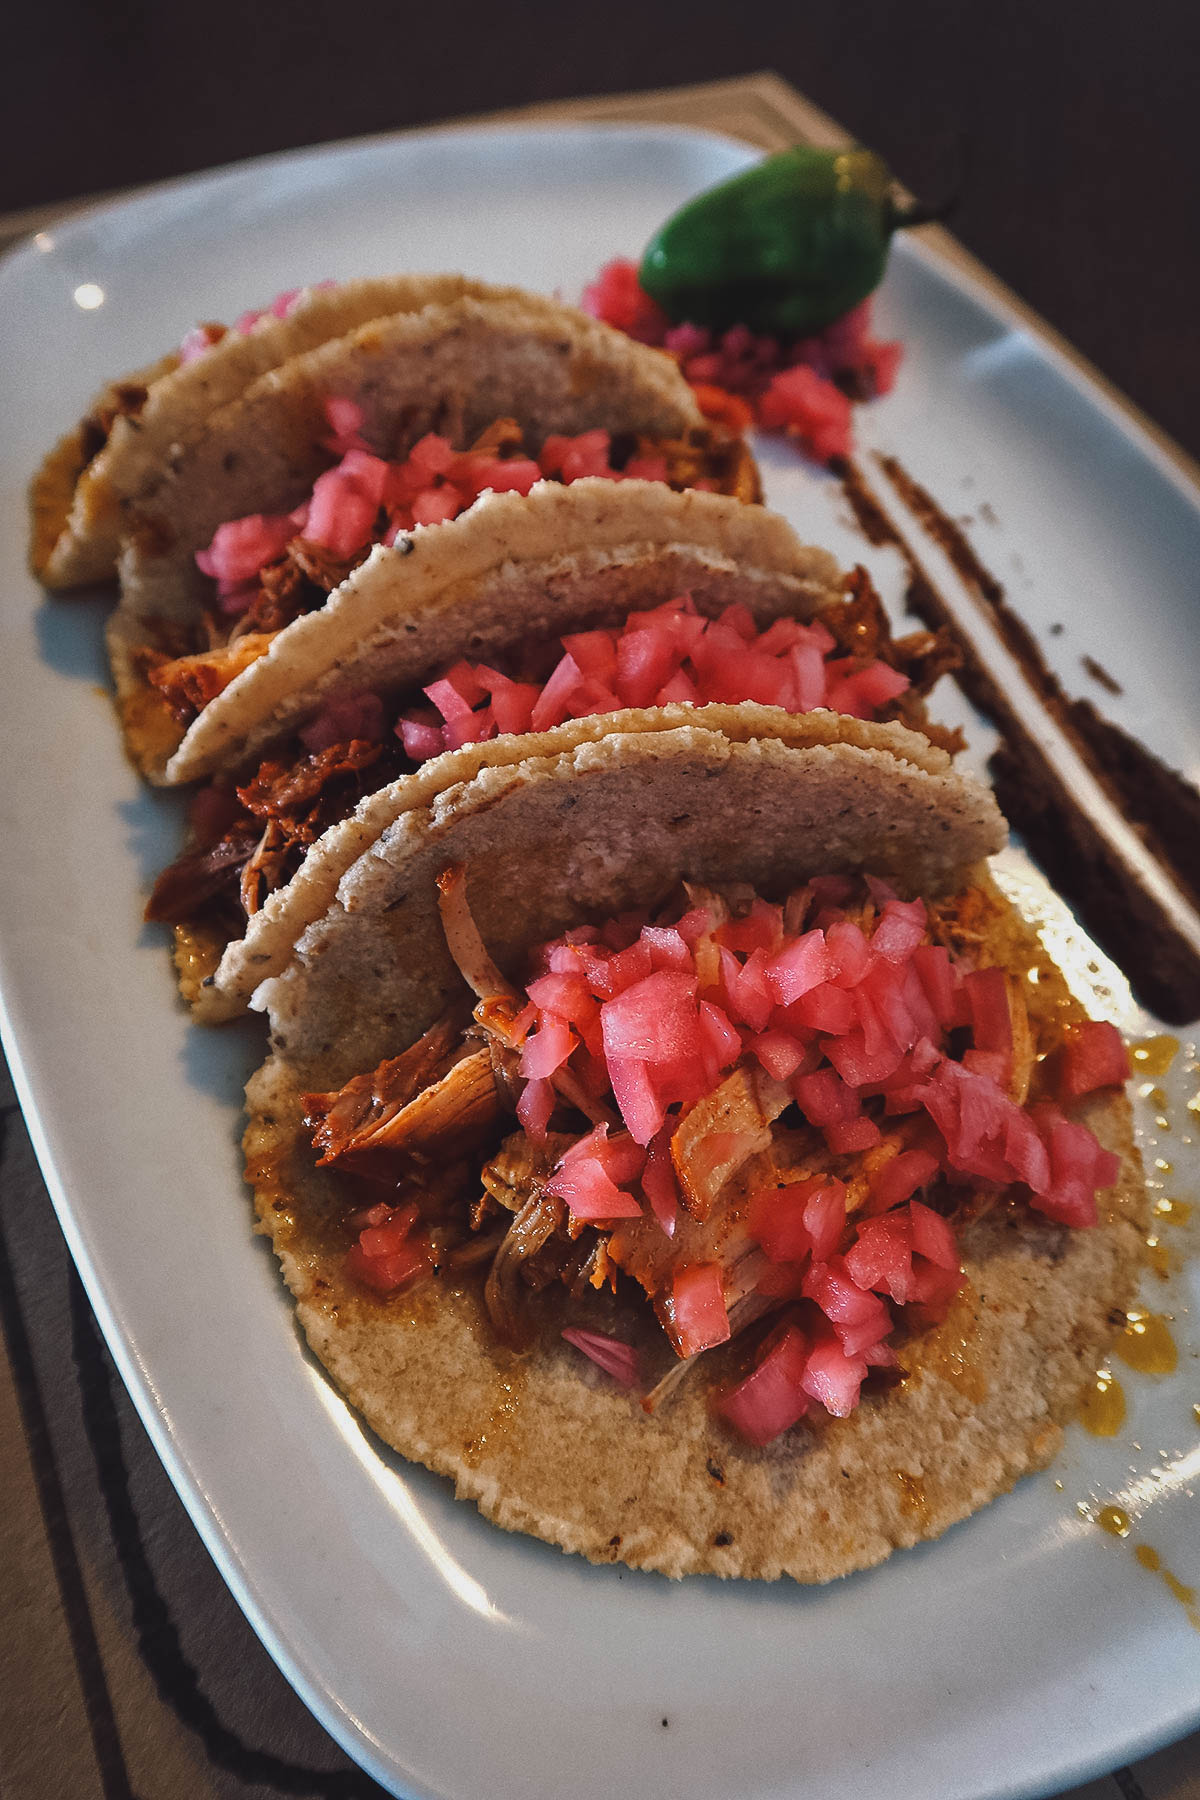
{"points": [[1163, 808]]}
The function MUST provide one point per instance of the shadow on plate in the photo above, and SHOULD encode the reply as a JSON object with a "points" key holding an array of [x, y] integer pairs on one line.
{"points": [[220, 1059], [70, 634]]}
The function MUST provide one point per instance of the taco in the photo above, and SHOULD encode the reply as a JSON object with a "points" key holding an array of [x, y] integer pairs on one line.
{"points": [[666, 1141], [135, 427], [524, 613], [401, 423]]}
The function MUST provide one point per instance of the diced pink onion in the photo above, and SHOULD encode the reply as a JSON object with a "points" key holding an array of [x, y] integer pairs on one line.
{"points": [[616, 1358]]}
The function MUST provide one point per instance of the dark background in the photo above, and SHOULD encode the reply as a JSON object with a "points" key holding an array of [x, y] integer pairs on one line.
{"points": [[1069, 129]]}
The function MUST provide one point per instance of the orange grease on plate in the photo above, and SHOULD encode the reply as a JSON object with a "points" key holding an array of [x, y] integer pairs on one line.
{"points": [[1146, 1343], [1102, 1410], [1154, 1055], [1179, 1590], [1115, 1521]]}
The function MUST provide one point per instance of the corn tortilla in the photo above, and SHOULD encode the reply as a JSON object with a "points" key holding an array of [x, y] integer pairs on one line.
{"points": [[541, 1441], [455, 367], [80, 501]]}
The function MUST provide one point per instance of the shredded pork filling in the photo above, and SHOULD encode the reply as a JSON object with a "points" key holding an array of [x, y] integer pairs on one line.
{"points": [[248, 607], [250, 839], [858, 1077]]}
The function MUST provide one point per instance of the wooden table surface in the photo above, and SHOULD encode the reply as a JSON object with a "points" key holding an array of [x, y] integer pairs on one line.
{"points": [[125, 1666], [1067, 127]]}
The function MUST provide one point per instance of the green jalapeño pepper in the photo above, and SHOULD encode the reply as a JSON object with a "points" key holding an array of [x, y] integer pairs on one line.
{"points": [[785, 248]]}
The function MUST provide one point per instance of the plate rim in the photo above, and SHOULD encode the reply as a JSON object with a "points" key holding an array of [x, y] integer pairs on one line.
{"points": [[350, 1733]]}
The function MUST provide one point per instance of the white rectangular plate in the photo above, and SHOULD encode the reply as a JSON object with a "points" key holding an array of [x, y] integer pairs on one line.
{"points": [[1025, 1649]]}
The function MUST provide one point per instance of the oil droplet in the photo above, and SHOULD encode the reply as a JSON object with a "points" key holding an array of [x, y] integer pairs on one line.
{"points": [[499, 1421], [1115, 1521], [1159, 1097], [1163, 1167], [1103, 1409], [948, 1351], [1162, 1122], [912, 1495], [197, 953], [1158, 1257], [1154, 1055], [1185, 1595], [1175, 1212], [1196, 1411], [1150, 1559], [1146, 1343]]}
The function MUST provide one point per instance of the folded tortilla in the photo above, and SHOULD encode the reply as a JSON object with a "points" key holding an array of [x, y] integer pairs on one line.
{"points": [[542, 1442], [511, 570], [456, 368], [137, 426], [266, 949]]}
